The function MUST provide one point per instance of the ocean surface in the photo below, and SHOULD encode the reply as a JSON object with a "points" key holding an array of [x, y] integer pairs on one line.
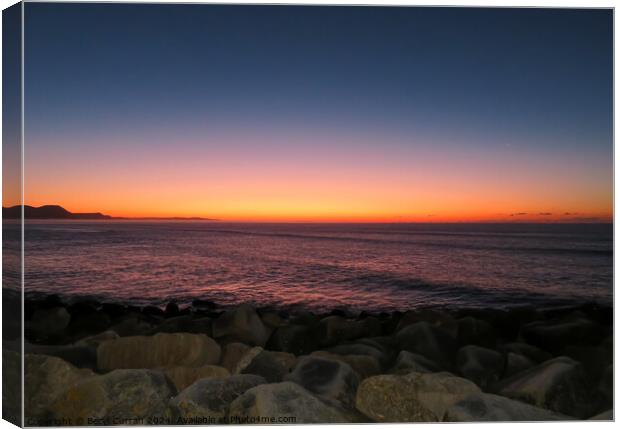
{"points": [[373, 267]]}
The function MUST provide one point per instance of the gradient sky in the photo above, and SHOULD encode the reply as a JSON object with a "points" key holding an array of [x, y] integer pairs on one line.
{"points": [[319, 113]]}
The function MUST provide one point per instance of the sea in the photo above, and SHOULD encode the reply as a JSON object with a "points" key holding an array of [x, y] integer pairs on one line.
{"points": [[316, 267]]}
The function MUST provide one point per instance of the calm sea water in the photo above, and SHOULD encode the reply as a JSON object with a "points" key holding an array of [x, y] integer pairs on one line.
{"points": [[321, 266]]}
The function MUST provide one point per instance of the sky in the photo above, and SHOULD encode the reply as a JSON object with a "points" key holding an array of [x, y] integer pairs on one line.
{"points": [[295, 113]]}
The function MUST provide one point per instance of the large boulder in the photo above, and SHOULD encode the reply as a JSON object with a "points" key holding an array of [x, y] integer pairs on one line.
{"points": [[492, 408], [284, 402], [328, 379], [211, 397], [437, 318], [80, 356], [294, 338], [186, 323], [558, 385], [241, 324], [481, 365], [95, 340], [12, 386], [183, 376], [124, 396], [47, 323], [360, 349], [46, 377], [273, 366], [232, 354], [430, 341], [516, 363], [475, 331], [336, 329], [364, 365], [158, 351], [533, 353], [555, 335], [407, 362], [414, 397]]}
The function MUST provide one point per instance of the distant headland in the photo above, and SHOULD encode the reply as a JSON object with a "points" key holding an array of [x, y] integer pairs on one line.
{"points": [[58, 212]]}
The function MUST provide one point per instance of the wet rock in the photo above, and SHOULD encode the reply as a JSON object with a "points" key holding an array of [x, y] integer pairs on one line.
{"points": [[439, 319], [429, 341], [241, 324], [172, 309], [364, 365], [481, 365], [407, 362], [477, 332], [183, 376], [268, 365], [232, 354], [328, 379], [558, 385], [492, 408], [161, 350], [414, 397], [296, 339], [185, 324], [46, 377], [531, 352], [555, 335], [47, 322], [284, 402], [516, 363], [119, 395], [212, 396]]}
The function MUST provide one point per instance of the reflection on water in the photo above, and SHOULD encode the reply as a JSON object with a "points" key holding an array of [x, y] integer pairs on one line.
{"points": [[321, 266]]}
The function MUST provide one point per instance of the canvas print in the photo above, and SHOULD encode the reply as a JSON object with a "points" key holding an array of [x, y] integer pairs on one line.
{"points": [[284, 214]]}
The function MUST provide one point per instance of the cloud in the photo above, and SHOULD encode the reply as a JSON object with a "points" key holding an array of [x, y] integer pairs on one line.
{"points": [[545, 214], [518, 214]]}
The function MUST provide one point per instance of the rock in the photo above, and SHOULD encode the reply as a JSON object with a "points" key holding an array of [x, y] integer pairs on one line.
{"points": [[429, 341], [407, 362], [88, 324], [124, 395], [132, 324], [555, 335], [296, 339], [605, 387], [360, 349], [492, 408], [435, 318], [172, 309], [477, 332], [593, 359], [202, 303], [232, 354], [328, 379], [284, 402], [95, 340], [241, 324], [153, 311], [185, 324], [531, 352], [264, 363], [161, 350], [48, 322], [12, 386], [79, 356], [183, 376], [481, 365], [114, 310], [413, 397], [211, 397], [46, 377], [272, 320], [516, 363], [605, 415], [337, 329], [364, 365], [558, 385]]}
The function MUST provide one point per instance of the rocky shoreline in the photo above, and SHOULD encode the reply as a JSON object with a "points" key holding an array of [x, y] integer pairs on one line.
{"points": [[91, 363]]}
